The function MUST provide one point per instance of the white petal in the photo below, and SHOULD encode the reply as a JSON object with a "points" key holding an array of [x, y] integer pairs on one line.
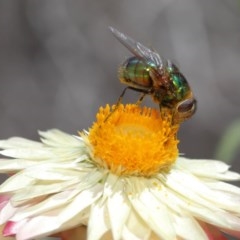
{"points": [[37, 227], [81, 201], [196, 191], [170, 199], [187, 227], [53, 202], [228, 176], [18, 142], [11, 165], [224, 187], [61, 218], [98, 223], [16, 182], [151, 210], [207, 168], [118, 209], [53, 171], [216, 218], [31, 176], [227, 201], [55, 138], [189, 188], [23, 196], [136, 228], [28, 153], [28, 194], [126, 235], [199, 166], [7, 212], [185, 207]]}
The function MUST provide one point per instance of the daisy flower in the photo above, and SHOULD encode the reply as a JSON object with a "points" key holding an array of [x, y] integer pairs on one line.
{"points": [[123, 178]]}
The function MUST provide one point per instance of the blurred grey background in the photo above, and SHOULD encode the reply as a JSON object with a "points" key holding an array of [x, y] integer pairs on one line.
{"points": [[59, 61]]}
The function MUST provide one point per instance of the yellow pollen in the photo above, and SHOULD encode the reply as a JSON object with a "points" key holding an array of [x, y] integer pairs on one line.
{"points": [[131, 140]]}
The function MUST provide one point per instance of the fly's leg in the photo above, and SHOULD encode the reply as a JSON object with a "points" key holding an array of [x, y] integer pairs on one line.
{"points": [[167, 113], [139, 101], [162, 112], [121, 97], [144, 93], [117, 104]]}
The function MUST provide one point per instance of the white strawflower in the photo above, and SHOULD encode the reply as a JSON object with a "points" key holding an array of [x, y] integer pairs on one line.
{"points": [[122, 179]]}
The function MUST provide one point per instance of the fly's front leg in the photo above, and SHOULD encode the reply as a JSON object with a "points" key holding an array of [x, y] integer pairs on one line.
{"points": [[117, 104], [167, 113], [139, 101], [144, 93], [121, 97]]}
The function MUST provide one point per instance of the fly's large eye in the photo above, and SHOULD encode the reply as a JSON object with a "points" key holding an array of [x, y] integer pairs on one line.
{"points": [[188, 105]]}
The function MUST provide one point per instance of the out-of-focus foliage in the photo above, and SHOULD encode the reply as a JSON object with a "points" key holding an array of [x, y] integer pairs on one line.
{"points": [[229, 145]]}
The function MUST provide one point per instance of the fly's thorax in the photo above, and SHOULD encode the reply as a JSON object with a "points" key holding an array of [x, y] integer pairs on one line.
{"points": [[179, 86], [135, 73]]}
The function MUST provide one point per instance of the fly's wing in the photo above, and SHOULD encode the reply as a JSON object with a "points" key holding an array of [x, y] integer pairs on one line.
{"points": [[139, 50]]}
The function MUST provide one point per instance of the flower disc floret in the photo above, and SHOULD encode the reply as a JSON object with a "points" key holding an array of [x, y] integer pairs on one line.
{"points": [[130, 140]]}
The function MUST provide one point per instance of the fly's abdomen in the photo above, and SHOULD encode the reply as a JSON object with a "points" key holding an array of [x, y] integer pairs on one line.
{"points": [[135, 73]]}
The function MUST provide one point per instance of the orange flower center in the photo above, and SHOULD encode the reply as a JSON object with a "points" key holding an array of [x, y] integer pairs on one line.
{"points": [[131, 140]]}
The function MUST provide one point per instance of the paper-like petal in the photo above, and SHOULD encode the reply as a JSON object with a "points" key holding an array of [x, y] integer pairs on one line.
{"points": [[7, 212], [223, 187], [18, 142], [119, 210], [192, 188], [51, 203], [188, 227], [216, 218], [11, 228], [208, 169], [189, 188], [10, 165], [28, 153], [26, 195], [56, 200], [59, 218], [202, 167], [136, 228], [151, 210], [16, 182], [55, 137], [4, 199], [98, 223]]}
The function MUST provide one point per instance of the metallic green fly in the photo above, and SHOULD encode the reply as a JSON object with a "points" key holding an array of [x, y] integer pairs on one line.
{"points": [[148, 73]]}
